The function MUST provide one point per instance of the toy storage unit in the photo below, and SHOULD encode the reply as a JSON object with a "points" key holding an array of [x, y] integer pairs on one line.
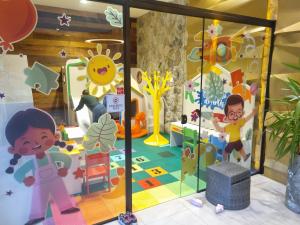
{"points": [[228, 184]]}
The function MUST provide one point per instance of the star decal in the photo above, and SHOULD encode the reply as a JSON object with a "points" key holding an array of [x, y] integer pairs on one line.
{"points": [[2, 95], [78, 173], [63, 54], [224, 81], [64, 20], [9, 193]]}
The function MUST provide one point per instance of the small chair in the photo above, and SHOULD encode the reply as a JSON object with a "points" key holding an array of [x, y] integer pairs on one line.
{"points": [[190, 138], [97, 165]]}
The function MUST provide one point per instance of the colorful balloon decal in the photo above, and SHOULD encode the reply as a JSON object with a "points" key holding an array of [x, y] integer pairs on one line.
{"points": [[18, 19]]}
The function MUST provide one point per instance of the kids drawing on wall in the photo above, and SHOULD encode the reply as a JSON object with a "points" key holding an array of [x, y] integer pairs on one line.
{"points": [[234, 112], [32, 133]]}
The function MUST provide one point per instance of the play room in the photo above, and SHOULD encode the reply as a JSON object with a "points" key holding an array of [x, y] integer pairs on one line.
{"points": [[92, 128]]}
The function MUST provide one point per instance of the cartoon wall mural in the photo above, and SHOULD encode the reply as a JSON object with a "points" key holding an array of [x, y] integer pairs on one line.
{"points": [[32, 132], [217, 89], [217, 48], [18, 19], [234, 113], [102, 71]]}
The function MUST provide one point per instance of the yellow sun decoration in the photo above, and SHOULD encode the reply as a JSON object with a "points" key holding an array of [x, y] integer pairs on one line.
{"points": [[102, 71]]}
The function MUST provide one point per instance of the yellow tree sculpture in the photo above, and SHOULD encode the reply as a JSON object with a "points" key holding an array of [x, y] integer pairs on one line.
{"points": [[156, 89]]}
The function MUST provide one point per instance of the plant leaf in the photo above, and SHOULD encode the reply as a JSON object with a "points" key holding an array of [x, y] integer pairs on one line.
{"points": [[294, 86], [103, 132]]}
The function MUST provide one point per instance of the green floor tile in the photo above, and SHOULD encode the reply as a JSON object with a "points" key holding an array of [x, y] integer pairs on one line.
{"points": [[166, 154], [180, 189], [140, 175], [166, 179], [148, 165], [176, 174]]}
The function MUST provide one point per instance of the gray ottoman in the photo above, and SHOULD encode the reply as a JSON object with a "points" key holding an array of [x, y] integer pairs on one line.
{"points": [[228, 184]]}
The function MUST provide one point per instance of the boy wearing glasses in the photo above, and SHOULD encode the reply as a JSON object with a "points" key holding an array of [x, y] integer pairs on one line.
{"points": [[234, 111]]}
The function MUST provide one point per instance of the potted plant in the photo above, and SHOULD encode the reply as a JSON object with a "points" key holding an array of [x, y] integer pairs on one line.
{"points": [[285, 129]]}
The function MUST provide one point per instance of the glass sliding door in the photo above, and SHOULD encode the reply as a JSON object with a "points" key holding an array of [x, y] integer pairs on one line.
{"points": [[162, 107], [232, 68], [62, 101]]}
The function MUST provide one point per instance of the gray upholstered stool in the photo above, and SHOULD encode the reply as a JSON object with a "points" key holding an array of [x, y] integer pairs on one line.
{"points": [[228, 184]]}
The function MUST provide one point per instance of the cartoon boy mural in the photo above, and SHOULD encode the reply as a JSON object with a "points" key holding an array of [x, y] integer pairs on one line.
{"points": [[234, 111], [32, 132]]}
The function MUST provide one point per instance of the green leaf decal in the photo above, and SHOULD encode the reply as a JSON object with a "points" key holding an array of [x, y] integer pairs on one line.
{"points": [[114, 17], [103, 133]]}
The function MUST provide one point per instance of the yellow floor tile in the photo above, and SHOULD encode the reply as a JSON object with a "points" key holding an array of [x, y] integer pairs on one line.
{"points": [[162, 194]]}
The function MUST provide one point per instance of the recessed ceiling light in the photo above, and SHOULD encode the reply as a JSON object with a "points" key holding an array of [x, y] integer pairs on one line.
{"points": [[107, 41], [83, 1]]}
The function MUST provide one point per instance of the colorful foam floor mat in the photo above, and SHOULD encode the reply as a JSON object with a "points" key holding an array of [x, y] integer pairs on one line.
{"points": [[156, 173]]}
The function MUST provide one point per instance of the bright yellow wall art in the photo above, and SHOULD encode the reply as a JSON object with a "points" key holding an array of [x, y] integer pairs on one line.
{"points": [[102, 71]]}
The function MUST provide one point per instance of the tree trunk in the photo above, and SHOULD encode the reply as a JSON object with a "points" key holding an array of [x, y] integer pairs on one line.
{"points": [[156, 139]]}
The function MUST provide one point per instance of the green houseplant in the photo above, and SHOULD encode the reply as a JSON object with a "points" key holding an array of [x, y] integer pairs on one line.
{"points": [[285, 129]]}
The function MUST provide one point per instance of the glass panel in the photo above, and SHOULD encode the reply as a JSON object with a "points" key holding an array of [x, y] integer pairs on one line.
{"points": [[158, 79], [231, 72], [58, 147]]}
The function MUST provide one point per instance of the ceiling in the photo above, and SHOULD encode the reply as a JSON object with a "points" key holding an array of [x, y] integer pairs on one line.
{"points": [[89, 6]]}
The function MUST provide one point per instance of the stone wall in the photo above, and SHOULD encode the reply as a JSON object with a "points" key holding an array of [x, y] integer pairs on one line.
{"points": [[161, 45]]}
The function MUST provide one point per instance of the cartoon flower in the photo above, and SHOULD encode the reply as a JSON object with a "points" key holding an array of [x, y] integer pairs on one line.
{"points": [[194, 116], [189, 86], [212, 31]]}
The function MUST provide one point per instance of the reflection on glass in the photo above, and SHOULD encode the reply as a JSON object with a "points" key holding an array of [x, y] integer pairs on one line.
{"points": [[231, 71], [62, 100]]}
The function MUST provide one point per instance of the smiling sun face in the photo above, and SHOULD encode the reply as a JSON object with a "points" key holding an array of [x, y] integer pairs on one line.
{"points": [[102, 71]]}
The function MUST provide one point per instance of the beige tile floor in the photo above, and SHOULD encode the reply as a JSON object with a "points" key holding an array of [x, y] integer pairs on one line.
{"points": [[266, 208]]}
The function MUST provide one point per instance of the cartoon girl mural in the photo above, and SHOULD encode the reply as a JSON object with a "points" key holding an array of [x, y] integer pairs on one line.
{"points": [[32, 133]]}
